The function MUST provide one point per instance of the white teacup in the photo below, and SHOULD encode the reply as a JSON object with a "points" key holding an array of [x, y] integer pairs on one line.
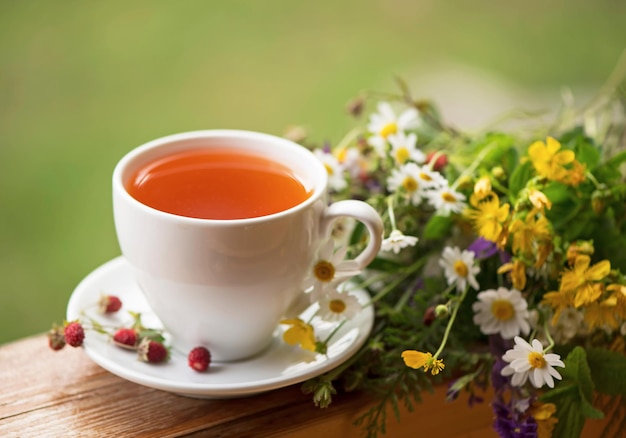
{"points": [[225, 284]]}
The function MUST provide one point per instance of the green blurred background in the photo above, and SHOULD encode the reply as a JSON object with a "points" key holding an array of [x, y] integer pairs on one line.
{"points": [[83, 82]]}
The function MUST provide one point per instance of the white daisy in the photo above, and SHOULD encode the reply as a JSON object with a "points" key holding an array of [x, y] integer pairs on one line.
{"points": [[397, 240], [431, 179], [459, 267], [336, 180], [407, 177], [352, 161], [502, 311], [446, 200], [569, 324], [385, 123], [337, 306], [403, 148], [528, 361], [328, 269]]}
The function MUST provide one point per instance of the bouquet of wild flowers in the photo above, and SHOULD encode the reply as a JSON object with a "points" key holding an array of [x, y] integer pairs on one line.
{"points": [[503, 263]]}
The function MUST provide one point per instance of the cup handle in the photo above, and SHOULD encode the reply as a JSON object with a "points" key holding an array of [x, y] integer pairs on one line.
{"points": [[365, 214], [360, 211]]}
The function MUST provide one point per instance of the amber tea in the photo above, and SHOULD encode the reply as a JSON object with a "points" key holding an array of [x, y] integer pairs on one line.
{"points": [[217, 183]]}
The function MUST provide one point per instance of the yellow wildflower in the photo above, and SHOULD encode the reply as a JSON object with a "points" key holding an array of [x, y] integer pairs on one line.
{"points": [[575, 175], [575, 249], [619, 292], [582, 279], [488, 216], [543, 415], [549, 161], [559, 301], [299, 333], [529, 231], [417, 359], [539, 200], [517, 268], [482, 188], [600, 315], [435, 366], [544, 249]]}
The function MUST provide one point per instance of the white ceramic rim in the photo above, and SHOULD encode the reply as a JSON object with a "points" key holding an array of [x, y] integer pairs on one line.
{"points": [[319, 188]]}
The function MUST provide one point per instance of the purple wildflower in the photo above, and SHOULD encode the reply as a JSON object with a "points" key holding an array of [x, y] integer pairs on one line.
{"points": [[483, 248], [509, 425]]}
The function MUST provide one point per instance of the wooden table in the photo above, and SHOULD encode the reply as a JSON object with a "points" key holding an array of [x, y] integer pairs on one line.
{"points": [[64, 394]]}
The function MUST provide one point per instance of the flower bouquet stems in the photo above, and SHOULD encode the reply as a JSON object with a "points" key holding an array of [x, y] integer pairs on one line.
{"points": [[503, 261]]}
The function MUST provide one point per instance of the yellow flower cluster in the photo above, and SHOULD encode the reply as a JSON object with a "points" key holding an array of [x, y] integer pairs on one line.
{"points": [[588, 287], [417, 359], [529, 232], [555, 164]]}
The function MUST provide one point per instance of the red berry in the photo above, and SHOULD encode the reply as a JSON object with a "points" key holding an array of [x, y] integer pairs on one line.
{"points": [[109, 304], [199, 359], [429, 316], [152, 351], [56, 338], [125, 337], [74, 334], [440, 163]]}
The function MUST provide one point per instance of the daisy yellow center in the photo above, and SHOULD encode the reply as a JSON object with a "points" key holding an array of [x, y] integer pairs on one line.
{"points": [[448, 197], [425, 176], [329, 169], [402, 154], [536, 360], [324, 271], [460, 268], [502, 310], [341, 154], [337, 306], [388, 129], [409, 184]]}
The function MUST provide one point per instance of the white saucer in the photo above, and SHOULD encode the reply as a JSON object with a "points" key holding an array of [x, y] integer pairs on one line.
{"points": [[278, 366]]}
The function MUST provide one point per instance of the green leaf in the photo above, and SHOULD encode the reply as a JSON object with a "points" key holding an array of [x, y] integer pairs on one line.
{"points": [[504, 155], [617, 159], [386, 265], [608, 369], [565, 204], [571, 419], [357, 233], [573, 396], [437, 227], [577, 369], [521, 175], [584, 148]]}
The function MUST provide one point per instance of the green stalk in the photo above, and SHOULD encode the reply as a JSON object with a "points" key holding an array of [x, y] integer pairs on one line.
{"points": [[450, 324]]}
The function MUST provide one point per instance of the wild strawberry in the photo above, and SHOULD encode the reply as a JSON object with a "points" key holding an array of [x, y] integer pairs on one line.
{"points": [[126, 338], [152, 351], [199, 359], [109, 304], [440, 163], [74, 334], [429, 316], [56, 338]]}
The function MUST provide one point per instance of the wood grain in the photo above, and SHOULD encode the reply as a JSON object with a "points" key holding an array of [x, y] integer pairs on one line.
{"points": [[64, 394]]}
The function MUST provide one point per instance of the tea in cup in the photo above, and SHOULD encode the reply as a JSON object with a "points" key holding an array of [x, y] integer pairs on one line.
{"points": [[220, 228]]}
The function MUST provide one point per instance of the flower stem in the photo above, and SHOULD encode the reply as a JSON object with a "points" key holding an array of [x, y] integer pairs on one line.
{"points": [[391, 286], [335, 330], [450, 324], [348, 138], [392, 216], [472, 167]]}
